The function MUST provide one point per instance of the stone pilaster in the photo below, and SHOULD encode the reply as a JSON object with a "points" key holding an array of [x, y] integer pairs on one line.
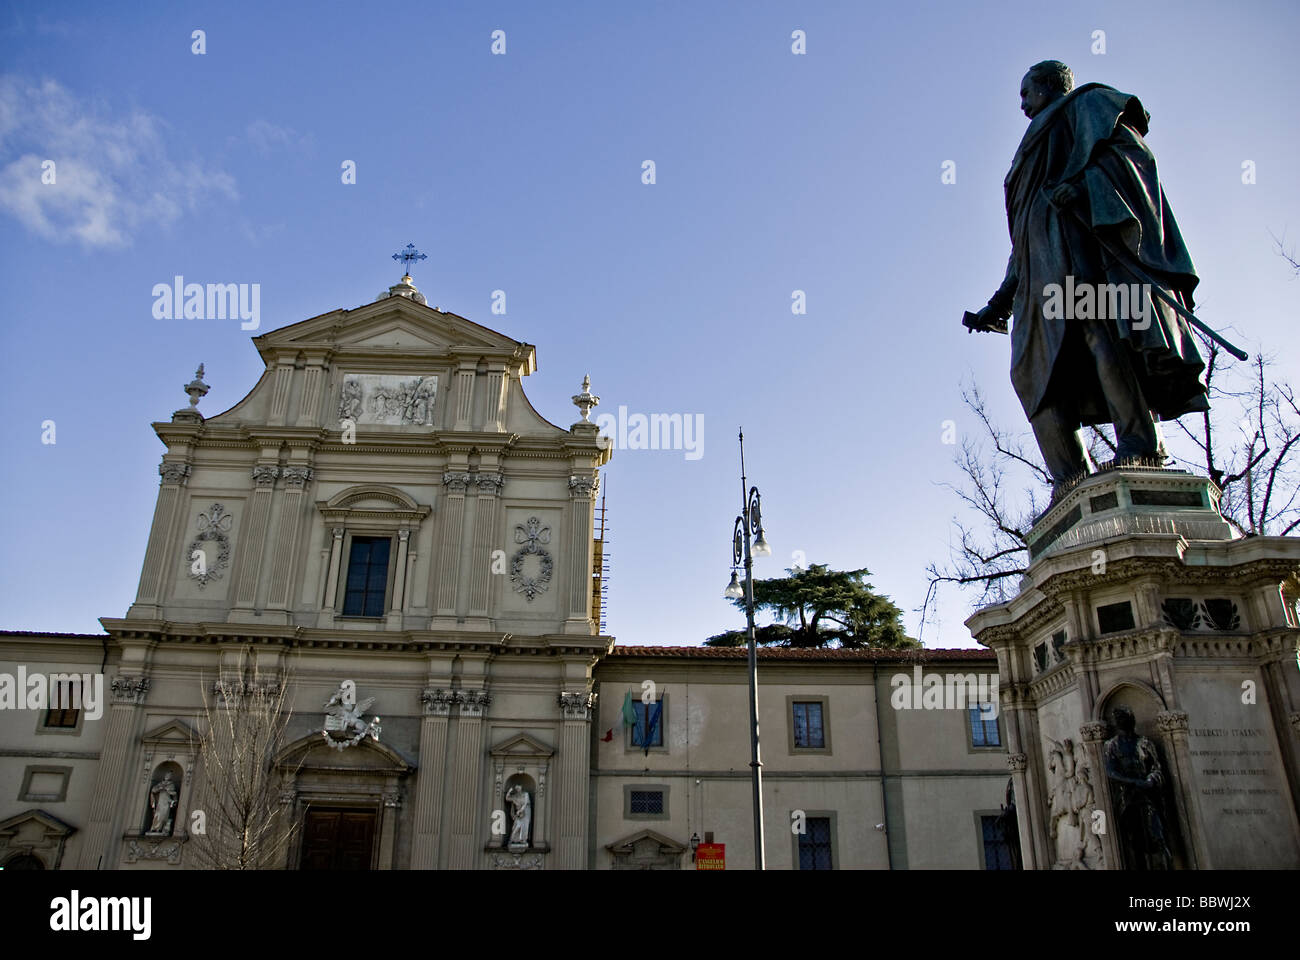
{"points": [[1018, 763], [498, 380], [99, 848], [581, 490], [253, 541], [453, 528], [464, 396], [467, 777], [296, 479], [1173, 727], [485, 541], [437, 704], [399, 579], [280, 392], [326, 616], [574, 772], [1093, 736], [388, 828], [314, 376], [167, 515]]}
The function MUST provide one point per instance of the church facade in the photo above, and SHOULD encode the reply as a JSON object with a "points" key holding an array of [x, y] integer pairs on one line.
{"points": [[387, 533]]}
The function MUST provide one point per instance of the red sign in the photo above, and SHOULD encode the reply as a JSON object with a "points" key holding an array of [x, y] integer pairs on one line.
{"points": [[711, 856]]}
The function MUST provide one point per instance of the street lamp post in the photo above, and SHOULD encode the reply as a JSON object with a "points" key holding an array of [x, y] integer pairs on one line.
{"points": [[750, 522]]}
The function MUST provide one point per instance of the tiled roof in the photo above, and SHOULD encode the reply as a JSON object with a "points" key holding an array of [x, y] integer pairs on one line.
{"points": [[920, 655]]}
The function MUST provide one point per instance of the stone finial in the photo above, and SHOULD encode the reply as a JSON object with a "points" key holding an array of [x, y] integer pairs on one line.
{"points": [[585, 401], [196, 388]]}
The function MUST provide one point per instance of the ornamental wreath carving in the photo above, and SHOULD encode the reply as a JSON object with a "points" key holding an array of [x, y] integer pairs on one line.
{"points": [[205, 563], [531, 566]]}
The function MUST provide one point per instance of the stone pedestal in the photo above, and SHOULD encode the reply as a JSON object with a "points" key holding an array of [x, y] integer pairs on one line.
{"points": [[1138, 594]]}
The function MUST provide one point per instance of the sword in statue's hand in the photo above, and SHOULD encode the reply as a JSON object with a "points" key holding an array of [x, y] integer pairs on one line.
{"points": [[1062, 198]]}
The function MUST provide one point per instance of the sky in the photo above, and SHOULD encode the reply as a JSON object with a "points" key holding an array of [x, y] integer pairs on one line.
{"points": [[524, 171]]}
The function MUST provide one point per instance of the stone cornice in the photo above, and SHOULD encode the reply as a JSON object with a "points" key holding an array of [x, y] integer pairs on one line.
{"points": [[341, 638]]}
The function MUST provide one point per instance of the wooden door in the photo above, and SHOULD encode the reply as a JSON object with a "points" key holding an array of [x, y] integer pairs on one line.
{"points": [[338, 839]]}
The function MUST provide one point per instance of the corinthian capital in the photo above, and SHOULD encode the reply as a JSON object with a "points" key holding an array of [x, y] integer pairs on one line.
{"points": [[296, 477], [127, 688], [583, 487], [1017, 761], [490, 484], [172, 472], [264, 476], [456, 482], [577, 706], [1094, 731], [1172, 721]]}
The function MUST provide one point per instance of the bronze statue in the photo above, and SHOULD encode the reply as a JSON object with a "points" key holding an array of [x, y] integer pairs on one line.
{"points": [[1092, 342], [1137, 794]]}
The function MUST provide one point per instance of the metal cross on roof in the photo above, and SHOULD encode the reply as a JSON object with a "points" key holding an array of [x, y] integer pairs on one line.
{"points": [[409, 257]]}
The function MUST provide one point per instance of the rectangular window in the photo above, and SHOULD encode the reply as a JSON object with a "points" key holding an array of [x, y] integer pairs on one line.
{"points": [[808, 725], [997, 852], [655, 717], [1114, 617], [815, 844], [646, 802], [983, 728], [61, 713], [367, 580]]}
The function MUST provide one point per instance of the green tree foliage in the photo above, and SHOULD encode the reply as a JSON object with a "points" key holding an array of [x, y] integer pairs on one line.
{"points": [[820, 607]]}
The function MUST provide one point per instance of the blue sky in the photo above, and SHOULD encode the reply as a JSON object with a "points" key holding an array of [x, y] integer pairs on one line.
{"points": [[775, 172]]}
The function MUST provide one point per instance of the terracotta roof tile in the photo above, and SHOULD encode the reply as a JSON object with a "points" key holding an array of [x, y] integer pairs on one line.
{"points": [[923, 655]]}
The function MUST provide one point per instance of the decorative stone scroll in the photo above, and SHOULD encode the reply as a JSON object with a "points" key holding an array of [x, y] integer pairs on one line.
{"points": [[214, 527], [532, 565]]}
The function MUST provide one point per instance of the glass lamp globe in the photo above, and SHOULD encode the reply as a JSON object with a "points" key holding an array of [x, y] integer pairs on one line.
{"points": [[734, 590]]}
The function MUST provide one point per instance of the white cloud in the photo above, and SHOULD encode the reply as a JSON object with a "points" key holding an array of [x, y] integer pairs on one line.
{"points": [[113, 175], [266, 137]]}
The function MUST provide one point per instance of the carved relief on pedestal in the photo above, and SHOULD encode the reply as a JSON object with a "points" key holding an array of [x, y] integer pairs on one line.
{"points": [[1073, 823], [168, 850]]}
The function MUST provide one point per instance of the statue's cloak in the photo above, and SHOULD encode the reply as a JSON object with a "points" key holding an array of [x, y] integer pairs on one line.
{"points": [[1092, 138]]}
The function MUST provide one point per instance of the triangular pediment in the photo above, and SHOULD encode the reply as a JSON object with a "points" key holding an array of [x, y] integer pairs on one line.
{"points": [[522, 746], [646, 842], [394, 325], [173, 732], [43, 822]]}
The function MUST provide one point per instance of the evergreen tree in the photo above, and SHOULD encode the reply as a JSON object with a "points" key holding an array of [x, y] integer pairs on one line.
{"points": [[820, 607]]}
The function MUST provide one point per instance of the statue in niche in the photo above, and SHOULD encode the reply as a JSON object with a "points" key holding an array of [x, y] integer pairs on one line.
{"points": [[1137, 791], [521, 815], [162, 801]]}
